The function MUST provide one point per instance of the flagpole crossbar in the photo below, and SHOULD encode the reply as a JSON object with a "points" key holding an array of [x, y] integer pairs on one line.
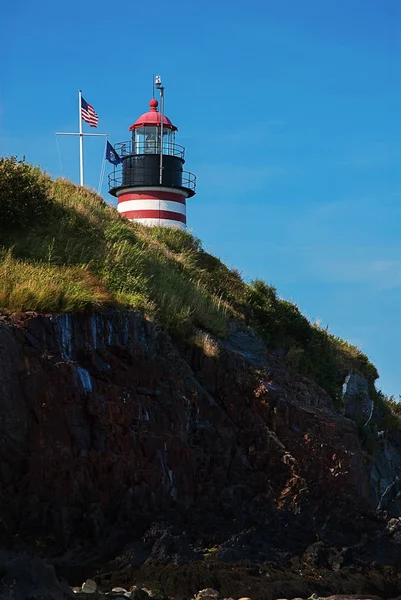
{"points": [[82, 134]]}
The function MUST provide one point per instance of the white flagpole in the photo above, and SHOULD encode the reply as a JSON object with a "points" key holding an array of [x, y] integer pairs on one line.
{"points": [[81, 141]]}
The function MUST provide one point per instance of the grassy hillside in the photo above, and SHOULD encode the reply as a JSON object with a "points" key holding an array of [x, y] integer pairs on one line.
{"points": [[62, 248]]}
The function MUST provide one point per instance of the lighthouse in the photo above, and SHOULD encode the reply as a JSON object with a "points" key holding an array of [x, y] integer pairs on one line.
{"points": [[150, 183]]}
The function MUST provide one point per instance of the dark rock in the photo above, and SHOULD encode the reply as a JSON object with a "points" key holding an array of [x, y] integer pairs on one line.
{"points": [[208, 594], [138, 594], [136, 553], [315, 555], [23, 576], [357, 403], [168, 546], [351, 597]]}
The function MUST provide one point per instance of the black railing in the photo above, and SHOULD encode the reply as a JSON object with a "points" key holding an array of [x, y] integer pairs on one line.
{"points": [[149, 147], [187, 180]]}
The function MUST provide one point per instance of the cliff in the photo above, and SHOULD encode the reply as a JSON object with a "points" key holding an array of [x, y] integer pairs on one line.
{"points": [[156, 410], [114, 432]]}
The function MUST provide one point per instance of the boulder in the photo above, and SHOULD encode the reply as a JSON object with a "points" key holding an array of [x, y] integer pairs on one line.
{"points": [[89, 587], [357, 403], [208, 594]]}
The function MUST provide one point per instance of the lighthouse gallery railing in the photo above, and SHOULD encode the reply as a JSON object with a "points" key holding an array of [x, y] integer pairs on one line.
{"points": [[188, 180], [149, 147]]}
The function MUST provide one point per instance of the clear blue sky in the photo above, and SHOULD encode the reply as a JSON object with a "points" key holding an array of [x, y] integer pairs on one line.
{"points": [[291, 114]]}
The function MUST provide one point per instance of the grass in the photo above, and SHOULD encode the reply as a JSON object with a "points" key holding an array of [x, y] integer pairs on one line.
{"points": [[62, 248], [39, 286]]}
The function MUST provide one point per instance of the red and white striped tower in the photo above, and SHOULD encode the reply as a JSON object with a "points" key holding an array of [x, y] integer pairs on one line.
{"points": [[151, 186]]}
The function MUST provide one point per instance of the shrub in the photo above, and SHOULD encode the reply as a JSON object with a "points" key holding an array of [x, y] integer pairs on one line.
{"points": [[279, 321], [24, 199], [388, 410]]}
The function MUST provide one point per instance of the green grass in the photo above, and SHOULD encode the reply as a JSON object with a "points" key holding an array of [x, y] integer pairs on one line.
{"points": [[62, 248], [40, 286]]}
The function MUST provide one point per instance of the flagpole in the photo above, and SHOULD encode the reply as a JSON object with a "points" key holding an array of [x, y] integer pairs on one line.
{"points": [[81, 141]]}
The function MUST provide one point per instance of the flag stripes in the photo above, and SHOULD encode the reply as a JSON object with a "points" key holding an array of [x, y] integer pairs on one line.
{"points": [[89, 114]]}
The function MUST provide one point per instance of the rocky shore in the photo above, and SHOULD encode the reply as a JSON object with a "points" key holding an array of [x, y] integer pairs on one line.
{"points": [[131, 458], [25, 576]]}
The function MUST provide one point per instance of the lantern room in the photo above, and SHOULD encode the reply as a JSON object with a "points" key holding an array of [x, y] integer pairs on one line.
{"points": [[146, 132]]}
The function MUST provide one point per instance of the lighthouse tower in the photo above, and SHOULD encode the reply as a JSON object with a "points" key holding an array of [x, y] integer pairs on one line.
{"points": [[151, 186]]}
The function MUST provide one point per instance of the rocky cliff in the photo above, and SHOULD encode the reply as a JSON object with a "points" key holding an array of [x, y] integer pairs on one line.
{"points": [[113, 432]]}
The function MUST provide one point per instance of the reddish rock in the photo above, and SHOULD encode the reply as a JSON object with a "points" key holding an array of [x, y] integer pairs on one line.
{"points": [[107, 425]]}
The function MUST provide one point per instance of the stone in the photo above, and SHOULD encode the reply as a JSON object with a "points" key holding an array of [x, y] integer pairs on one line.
{"points": [[89, 586], [208, 594]]}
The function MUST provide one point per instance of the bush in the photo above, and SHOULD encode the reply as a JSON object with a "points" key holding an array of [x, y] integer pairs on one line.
{"points": [[279, 321], [388, 410], [24, 194]]}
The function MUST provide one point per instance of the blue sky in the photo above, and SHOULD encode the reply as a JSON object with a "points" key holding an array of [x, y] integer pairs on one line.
{"points": [[290, 111]]}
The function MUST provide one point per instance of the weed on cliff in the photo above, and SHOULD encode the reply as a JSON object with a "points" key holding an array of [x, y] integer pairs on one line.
{"points": [[387, 410], [308, 348]]}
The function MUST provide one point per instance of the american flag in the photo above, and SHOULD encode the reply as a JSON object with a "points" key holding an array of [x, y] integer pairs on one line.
{"points": [[88, 114]]}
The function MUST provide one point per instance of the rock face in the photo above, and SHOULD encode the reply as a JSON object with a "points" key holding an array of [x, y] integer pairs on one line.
{"points": [[358, 404], [107, 425]]}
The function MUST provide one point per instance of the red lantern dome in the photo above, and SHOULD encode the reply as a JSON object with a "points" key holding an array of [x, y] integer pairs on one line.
{"points": [[152, 117]]}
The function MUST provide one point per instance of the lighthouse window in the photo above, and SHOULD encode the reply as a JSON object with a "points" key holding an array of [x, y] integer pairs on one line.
{"points": [[147, 140], [151, 142]]}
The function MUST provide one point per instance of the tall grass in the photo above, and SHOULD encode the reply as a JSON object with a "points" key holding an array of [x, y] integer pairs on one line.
{"points": [[45, 287], [67, 250]]}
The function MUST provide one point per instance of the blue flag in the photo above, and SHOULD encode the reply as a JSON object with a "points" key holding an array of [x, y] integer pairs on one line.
{"points": [[111, 155]]}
